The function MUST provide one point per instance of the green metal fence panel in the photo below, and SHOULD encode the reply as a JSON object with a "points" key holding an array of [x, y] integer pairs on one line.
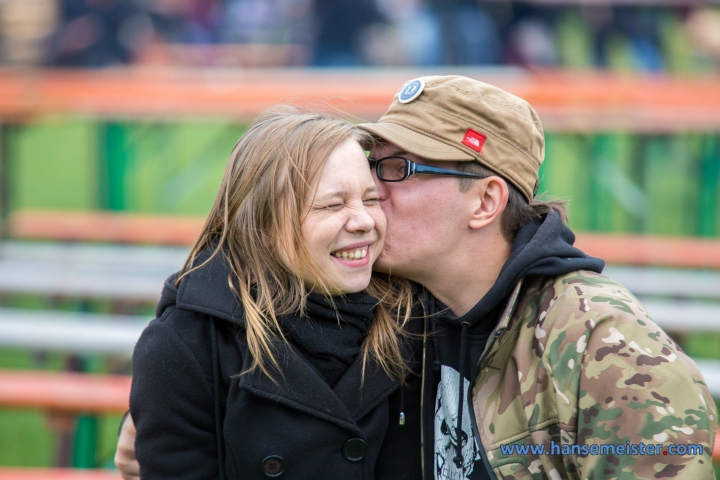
{"points": [[565, 174], [115, 152], [171, 168], [617, 201], [615, 182], [671, 185], [53, 165], [709, 195], [85, 442]]}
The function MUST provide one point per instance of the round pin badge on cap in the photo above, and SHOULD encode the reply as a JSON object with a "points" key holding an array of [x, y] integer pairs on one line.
{"points": [[411, 90]]}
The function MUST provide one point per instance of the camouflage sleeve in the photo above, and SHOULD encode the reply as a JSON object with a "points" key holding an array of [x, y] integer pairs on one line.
{"points": [[637, 387]]}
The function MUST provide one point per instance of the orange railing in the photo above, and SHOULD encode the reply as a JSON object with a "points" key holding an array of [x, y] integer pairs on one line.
{"points": [[566, 101]]}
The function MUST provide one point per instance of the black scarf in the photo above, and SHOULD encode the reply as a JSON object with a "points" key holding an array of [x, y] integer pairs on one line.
{"points": [[331, 346]]}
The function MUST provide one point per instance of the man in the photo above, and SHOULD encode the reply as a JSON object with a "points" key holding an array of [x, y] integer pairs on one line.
{"points": [[527, 346]]}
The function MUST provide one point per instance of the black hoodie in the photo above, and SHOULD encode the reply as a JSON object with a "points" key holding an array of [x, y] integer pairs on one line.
{"points": [[542, 247]]}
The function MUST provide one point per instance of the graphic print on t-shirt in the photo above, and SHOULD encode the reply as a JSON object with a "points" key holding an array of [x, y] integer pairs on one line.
{"points": [[446, 415]]}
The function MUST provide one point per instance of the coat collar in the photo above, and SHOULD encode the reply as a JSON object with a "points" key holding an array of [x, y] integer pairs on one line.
{"points": [[207, 291], [301, 387]]}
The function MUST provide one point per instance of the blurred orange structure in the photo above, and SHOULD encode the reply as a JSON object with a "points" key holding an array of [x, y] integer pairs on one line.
{"points": [[104, 227], [57, 474], [10, 473], [64, 392], [566, 101], [642, 250]]}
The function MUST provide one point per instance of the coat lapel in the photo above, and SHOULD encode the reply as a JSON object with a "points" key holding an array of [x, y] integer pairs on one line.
{"points": [[303, 389], [359, 400], [299, 387]]}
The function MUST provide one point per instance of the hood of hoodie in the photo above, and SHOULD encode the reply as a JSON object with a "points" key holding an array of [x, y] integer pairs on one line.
{"points": [[542, 247], [205, 290]]}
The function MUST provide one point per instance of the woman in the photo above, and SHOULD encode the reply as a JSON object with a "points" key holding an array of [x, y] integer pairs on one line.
{"points": [[271, 354]]}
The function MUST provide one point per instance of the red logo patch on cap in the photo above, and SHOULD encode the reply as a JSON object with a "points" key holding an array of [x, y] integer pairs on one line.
{"points": [[474, 140]]}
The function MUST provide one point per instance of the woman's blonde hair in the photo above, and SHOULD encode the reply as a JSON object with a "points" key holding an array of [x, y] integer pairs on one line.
{"points": [[256, 222]]}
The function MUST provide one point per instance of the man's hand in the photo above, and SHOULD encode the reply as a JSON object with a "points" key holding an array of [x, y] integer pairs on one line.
{"points": [[125, 459]]}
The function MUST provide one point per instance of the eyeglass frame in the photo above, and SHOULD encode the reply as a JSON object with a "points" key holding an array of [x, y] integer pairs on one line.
{"points": [[417, 168]]}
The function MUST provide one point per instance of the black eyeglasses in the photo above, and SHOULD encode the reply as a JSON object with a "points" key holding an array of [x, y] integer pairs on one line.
{"points": [[397, 169]]}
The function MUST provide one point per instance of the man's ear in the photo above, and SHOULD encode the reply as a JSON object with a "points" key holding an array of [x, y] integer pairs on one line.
{"points": [[491, 197]]}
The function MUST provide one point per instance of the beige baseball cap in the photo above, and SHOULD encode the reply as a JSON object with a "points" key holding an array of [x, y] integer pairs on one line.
{"points": [[454, 118]]}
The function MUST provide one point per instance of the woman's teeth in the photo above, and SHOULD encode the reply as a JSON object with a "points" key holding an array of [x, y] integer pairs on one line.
{"points": [[357, 254]]}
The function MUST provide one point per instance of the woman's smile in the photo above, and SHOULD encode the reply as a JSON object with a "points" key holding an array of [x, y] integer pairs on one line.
{"points": [[353, 255]]}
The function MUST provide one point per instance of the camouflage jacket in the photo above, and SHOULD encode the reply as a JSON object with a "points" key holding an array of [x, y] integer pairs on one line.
{"points": [[575, 360]]}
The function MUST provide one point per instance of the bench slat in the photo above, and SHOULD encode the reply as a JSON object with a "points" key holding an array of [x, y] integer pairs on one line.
{"points": [[12, 473], [86, 270], [65, 391], [682, 315], [70, 331], [670, 282]]}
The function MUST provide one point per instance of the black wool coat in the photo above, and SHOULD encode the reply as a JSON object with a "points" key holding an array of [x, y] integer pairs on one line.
{"points": [[197, 419]]}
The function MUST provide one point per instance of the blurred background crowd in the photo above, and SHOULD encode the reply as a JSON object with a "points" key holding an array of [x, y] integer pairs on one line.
{"points": [[620, 36]]}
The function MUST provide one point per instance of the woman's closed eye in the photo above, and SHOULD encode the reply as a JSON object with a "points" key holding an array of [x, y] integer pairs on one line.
{"points": [[371, 201], [333, 206]]}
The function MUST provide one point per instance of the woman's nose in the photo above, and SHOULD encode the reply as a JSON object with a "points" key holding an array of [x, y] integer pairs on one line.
{"points": [[360, 220]]}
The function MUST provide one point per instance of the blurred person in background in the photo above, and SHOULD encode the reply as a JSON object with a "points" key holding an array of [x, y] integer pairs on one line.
{"points": [[283, 26], [432, 32], [703, 26], [410, 35], [339, 26], [253, 21], [91, 33], [24, 29], [641, 27], [529, 35], [470, 36], [275, 348], [185, 21]]}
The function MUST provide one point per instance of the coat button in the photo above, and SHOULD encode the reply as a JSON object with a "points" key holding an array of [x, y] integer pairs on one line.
{"points": [[273, 466], [354, 450]]}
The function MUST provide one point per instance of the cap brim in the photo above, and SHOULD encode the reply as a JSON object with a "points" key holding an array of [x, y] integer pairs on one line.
{"points": [[416, 143]]}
